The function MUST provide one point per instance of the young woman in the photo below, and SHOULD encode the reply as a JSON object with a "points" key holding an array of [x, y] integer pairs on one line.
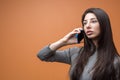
{"points": [[98, 59]]}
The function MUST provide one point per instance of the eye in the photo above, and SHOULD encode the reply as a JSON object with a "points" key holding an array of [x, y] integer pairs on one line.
{"points": [[84, 23], [94, 21]]}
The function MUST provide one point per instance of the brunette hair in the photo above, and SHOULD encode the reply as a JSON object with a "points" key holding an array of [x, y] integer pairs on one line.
{"points": [[106, 52]]}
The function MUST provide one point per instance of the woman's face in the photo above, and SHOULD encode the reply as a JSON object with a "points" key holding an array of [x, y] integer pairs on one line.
{"points": [[91, 26]]}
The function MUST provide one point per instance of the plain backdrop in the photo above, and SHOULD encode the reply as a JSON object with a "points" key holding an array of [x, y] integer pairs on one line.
{"points": [[26, 26]]}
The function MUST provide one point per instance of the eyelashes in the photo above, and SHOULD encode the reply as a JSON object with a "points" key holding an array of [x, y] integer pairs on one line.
{"points": [[93, 21]]}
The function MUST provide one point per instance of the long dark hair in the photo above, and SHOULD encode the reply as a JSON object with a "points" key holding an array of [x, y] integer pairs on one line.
{"points": [[104, 66]]}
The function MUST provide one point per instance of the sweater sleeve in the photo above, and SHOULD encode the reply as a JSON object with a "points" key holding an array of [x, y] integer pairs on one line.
{"points": [[64, 56]]}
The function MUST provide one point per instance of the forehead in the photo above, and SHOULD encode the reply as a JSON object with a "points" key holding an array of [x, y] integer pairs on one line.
{"points": [[89, 16]]}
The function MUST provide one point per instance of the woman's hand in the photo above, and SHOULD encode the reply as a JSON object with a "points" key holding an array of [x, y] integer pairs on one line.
{"points": [[66, 40], [70, 37]]}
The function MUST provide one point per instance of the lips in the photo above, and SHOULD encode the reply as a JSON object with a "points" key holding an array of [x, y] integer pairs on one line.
{"points": [[89, 32]]}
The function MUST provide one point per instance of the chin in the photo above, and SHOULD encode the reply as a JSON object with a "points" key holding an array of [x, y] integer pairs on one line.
{"points": [[91, 37]]}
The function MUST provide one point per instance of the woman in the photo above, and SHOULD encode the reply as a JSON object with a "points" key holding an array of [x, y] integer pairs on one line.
{"points": [[98, 59]]}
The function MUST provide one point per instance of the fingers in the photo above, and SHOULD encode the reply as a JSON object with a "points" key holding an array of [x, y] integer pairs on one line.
{"points": [[72, 33], [77, 30], [70, 37]]}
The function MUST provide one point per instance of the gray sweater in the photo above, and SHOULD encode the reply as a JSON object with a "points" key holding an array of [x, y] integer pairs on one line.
{"points": [[68, 56]]}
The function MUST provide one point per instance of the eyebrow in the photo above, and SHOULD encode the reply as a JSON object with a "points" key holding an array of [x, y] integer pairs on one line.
{"points": [[90, 19]]}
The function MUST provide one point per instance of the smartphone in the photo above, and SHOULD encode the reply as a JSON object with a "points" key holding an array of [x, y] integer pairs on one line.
{"points": [[80, 36]]}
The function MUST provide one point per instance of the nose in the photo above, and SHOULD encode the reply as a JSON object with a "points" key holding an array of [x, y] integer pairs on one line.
{"points": [[88, 25]]}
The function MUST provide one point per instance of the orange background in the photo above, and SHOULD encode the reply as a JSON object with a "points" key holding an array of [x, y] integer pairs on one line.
{"points": [[28, 25]]}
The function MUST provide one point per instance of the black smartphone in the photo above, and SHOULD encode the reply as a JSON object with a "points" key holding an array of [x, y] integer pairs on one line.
{"points": [[80, 36]]}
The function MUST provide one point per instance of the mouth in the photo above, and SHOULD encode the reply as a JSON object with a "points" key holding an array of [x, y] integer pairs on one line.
{"points": [[89, 32]]}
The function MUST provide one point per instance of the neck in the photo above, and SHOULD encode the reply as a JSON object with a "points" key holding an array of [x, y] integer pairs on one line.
{"points": [[95, 42]]}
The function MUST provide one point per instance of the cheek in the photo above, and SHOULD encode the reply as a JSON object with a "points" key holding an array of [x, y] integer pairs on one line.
{"points": [[84, 28], [97, 30]]}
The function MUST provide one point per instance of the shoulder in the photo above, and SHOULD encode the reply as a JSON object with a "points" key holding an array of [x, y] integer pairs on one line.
{"points": [[117, 61], [75, 50], [117, 66]]}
